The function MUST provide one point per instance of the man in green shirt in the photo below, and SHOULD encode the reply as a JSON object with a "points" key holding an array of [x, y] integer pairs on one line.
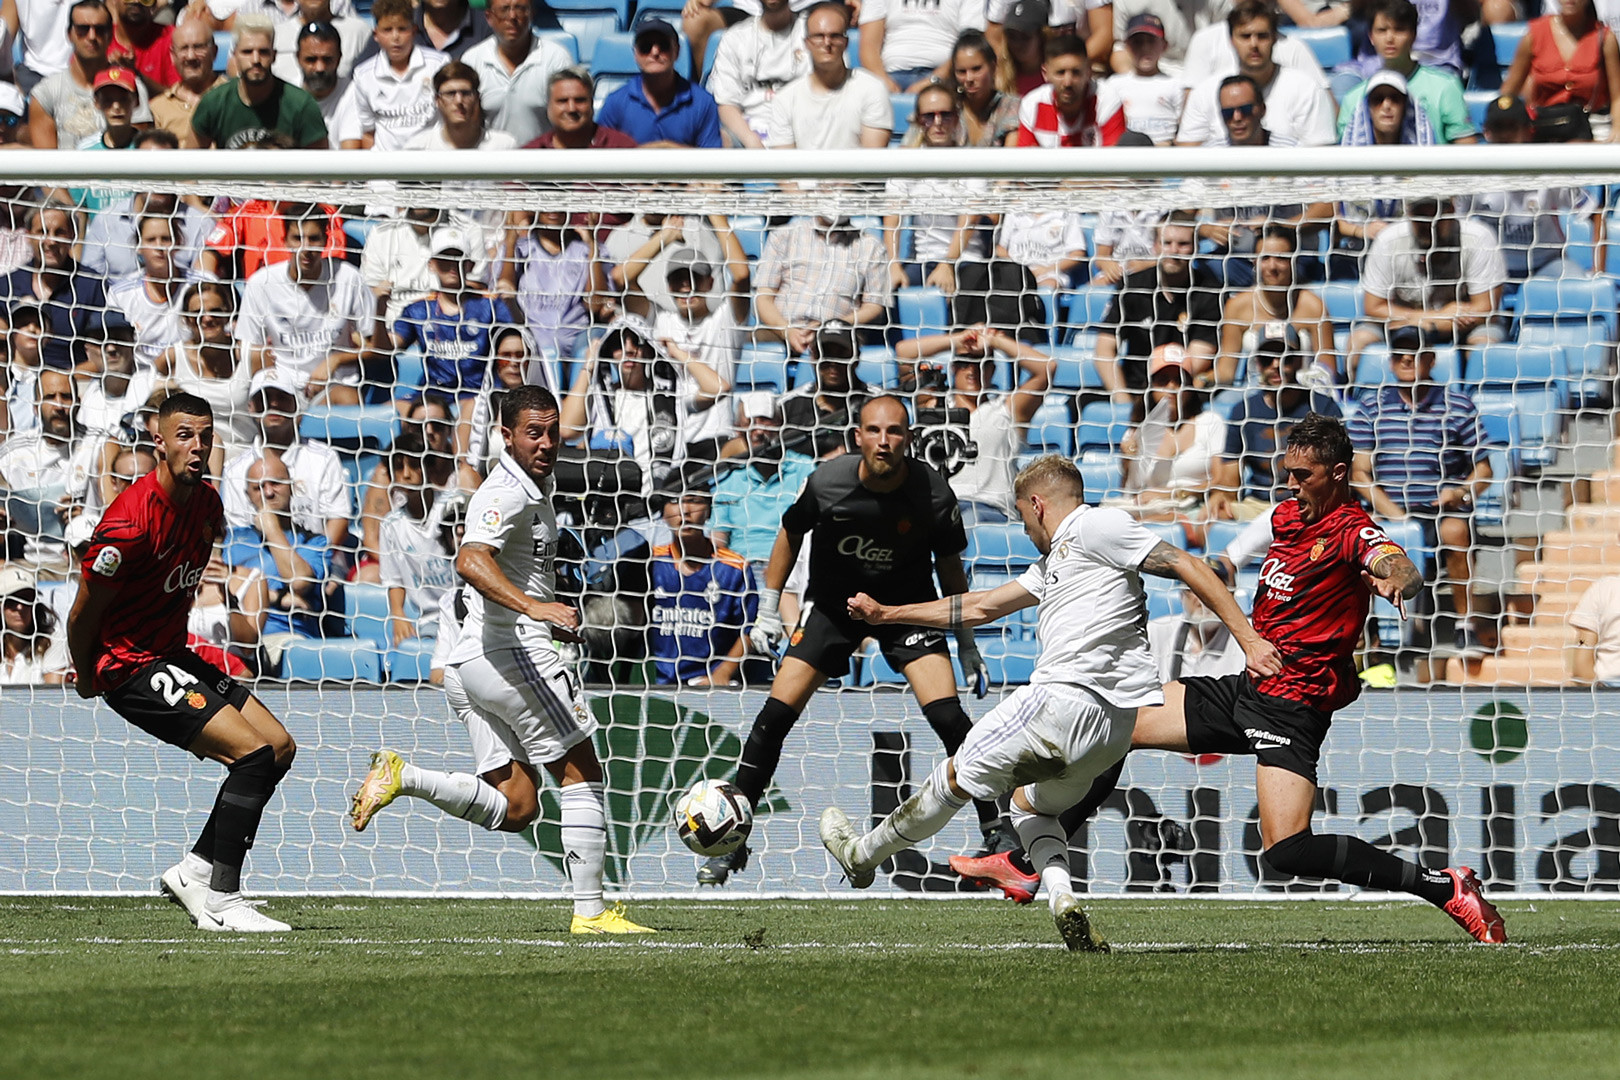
{"points": [[246, 108], [1440, 93]]}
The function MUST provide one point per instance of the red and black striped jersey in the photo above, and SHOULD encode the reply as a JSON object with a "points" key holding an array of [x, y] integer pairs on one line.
{"points": [[1312, 603], [153, 551]]}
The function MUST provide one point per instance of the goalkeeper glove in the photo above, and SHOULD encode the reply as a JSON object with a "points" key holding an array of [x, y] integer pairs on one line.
{"points": [[974, 669], [767, 631]]}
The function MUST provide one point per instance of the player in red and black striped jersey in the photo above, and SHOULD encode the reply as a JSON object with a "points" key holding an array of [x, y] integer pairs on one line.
{"points": [[1325, 560], [127, 634]]}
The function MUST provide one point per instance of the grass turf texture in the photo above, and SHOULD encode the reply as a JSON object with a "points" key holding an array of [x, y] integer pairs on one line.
{"points": [[396, 988]]}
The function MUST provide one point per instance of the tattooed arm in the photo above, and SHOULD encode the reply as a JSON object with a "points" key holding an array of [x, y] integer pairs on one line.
{"points": [[950, 612], [1163, 560]]}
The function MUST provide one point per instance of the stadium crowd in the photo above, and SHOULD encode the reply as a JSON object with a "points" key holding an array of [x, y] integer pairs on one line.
{"points": [[354, 355]]}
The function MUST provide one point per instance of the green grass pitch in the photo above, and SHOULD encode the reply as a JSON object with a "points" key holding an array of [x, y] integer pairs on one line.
{"points": [[872, 988]]}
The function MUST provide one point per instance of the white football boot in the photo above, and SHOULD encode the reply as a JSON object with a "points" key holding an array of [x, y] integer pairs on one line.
{"points": [[237, 916]]}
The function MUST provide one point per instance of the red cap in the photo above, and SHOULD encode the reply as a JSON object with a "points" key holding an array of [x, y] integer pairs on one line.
{"points": [[114, 76]]}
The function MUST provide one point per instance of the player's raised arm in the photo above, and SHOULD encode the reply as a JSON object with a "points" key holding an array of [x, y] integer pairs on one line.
{"points": [[950, 612], [84, 629], [1165, 560]]}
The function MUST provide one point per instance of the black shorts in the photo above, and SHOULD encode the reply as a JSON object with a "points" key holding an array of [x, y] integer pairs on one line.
{"points": [[1228, 716], [826, 643], [173, 698]]}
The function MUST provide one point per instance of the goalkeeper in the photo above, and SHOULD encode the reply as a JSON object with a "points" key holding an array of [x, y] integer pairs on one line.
{"points": [[885, 524]]}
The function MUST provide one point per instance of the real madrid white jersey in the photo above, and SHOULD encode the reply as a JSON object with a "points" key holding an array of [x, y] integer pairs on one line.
{"points": [[1093, 614]]}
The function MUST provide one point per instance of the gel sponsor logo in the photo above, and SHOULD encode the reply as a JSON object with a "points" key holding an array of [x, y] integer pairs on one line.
{"points": [[183, 577], [1273, 578], [867, 551]]}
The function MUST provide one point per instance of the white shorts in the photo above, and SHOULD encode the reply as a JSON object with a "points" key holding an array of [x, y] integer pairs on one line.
{"points": [[1052, 740], [518, 706]]}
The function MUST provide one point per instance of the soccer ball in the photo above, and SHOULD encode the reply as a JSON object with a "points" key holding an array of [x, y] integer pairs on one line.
{"points": [[713, 818]]}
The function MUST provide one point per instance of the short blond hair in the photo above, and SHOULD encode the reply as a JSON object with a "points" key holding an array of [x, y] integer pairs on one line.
{"points": [[253, 24], [1054, 473]]}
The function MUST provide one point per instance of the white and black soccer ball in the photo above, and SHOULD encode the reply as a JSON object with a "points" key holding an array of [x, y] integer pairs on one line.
{"points": [[713, 818]]}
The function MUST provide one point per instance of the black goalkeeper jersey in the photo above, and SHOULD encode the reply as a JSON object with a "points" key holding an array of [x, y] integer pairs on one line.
{"points": [[879, 543]]}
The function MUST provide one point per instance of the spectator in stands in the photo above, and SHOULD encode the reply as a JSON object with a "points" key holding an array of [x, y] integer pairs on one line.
{"points": [[514, 66], [227, 615], [1249, 477], [71, 297], [1023, 42], [319, 56], [45, 472], [24, 340], [296, 562], [571, 112], [391, 87], [448, 27], [906, 44], [1437, 91], [320, 490], [978, 431], [625, 395], [1123, 239], [749, 500], [1298, 111], [428, 429], [350, 37], [1421, 453], [659, 107], [112, 242], [640, 249], [1064, 111], [1210, 54], [1529, 224], [1387, 116], [141, 43], [150, 300], [815, 270], [1050, 244], [1169, 458], [516, 363], [702, 19], [831, 106], [16, 245], [820, 417], [40, 30], [461, 123], [704, 597], [452, 326], [62, 109], [939, 240], [308, 315], [253, 234], [395, 262], [14, 130], [1171, 302], [1435, 271], [1567, 68], [417, 565], [553, 271], [109, 404], [1595, 655], [192, 51], [207, 363], [1253, 316], [33, 646], [1151, 100], [757, 58], [242, 110], [989, 114], [701, 331], [1181, 22]]}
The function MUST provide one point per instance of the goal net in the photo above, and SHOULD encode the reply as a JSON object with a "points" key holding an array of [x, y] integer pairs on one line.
{"points": [[710, 320]]}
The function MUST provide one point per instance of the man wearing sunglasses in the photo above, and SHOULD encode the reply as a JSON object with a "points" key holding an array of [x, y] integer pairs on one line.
{"points": [[659, 107], [1297, 107], [64, 110]]}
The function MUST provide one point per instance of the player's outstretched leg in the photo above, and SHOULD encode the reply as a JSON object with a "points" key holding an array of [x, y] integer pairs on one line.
{"points": [[460, 795], [913, 821], [584, 841], [1048, 847]]}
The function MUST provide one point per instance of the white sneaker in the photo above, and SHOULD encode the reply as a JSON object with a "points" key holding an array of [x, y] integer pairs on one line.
{"points": [[237, 916], [179, 886], [838, 836], [1074, 927]]}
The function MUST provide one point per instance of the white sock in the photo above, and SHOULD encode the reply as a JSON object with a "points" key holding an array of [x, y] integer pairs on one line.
{"points": [[195, 866], [584, 841], [461, 795], [1047, 846], [912, 822]]}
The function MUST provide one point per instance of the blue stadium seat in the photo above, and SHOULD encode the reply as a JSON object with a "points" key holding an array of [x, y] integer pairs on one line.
{"points": [[1499, 367], [875, 668], [1218, 535], [1343, 301], [1331, 44], [1102, 425], [1372, 370], [564, 39], [1083, 308], [619, 9], [1163, 596], [366, 608], [342, 659], [1100, 471], [1051, 429], [876, 365], [1075, 369], [1507, 37], [1578, 304], [1478, 101], [224, 45], [1011, 661], [1409, 534], [605, 86], [1170, 532], [903, 105], [923, 311], [615, 54], [764, 364], [586, 28], [750, 232], [372, 426], [411, 661], [996, 545]]}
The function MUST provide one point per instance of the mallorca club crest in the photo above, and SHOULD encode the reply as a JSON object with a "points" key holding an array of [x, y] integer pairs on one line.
{"points": [[1317, 549], [196, 700]]}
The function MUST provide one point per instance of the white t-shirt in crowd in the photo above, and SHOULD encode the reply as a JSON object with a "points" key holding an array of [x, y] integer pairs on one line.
{"points": [[42, 29], [397, 254], [301, 326], [320, 488], [806, 117], [753, 65], [395, 105], [988, 476], [1040, 239], [1130, 231], [1064, 12], [1391, 270], [410, 557], [932, 233], [1599, 612], [1093, 614], [715, 342], [1152, 103], [1205, 648], [28, 668], [515, 99], [1298, 112], [354, 35], [1212, 54], [157, 325], [341, 112], [921, 33]]}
